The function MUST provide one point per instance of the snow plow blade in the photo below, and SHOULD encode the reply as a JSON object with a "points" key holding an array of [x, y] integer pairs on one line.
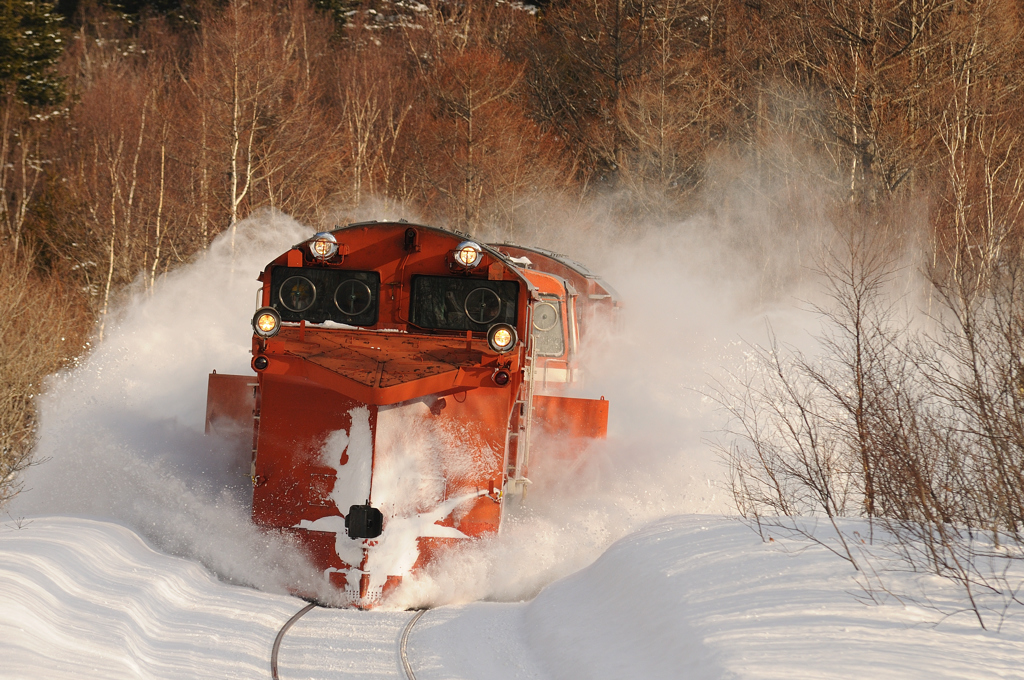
{"points": [[230, 400]]}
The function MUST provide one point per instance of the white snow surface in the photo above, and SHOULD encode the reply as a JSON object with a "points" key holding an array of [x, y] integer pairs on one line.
{"points": [[694, 597]]}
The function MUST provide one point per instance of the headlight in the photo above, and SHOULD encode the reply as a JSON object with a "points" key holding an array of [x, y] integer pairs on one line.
{"points": [[468, 254], [324, 245], [501, 337], [266, 322]]}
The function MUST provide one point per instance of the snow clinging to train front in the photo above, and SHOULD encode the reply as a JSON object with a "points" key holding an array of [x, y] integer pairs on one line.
{"points": [[411, 466]]}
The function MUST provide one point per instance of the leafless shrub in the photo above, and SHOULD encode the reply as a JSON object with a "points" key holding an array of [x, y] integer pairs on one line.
{"points": [[917, 431], [801, 442]]}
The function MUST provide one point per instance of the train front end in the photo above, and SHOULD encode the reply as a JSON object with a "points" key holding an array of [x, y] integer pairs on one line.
{"points": [[390, 393]]}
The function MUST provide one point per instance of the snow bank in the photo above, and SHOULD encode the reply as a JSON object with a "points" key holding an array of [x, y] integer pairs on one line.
{"points": [[704, 598], [694, 598], [86, 599]]}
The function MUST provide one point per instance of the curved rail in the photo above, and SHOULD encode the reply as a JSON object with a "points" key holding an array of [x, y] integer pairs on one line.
{"points": [[299, 614], [405, 640], [280, 635]]}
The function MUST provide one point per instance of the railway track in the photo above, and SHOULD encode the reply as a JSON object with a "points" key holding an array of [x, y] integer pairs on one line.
{"points": [[405, 638], [280, 636], [406, 666]]}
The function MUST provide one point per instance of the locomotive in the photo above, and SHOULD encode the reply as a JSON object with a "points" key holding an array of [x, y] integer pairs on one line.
{"points": [[405, 377]]}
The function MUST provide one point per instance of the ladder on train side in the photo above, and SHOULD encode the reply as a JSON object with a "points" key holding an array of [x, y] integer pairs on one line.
{"points": [[525, 425]]}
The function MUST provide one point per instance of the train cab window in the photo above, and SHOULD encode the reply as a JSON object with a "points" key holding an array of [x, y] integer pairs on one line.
{"points": [[318, 295], [548, 330], [460, 304], [297, 294]]}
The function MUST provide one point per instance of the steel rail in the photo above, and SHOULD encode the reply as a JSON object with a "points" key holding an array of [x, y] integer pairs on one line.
{"points": [[280, 635], [405, 640]]}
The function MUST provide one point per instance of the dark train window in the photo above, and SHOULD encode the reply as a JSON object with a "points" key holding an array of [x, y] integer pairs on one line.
{"points": [[461, 304], [297, 294], [318, 295], [548, 332], [353, 297]]}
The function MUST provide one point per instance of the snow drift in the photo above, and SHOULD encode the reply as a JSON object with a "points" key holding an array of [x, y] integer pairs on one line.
{"points": [[691, 597]]}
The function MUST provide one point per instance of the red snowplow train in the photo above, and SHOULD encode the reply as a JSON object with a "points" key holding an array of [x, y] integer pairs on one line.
{"points": [[402, 372]]}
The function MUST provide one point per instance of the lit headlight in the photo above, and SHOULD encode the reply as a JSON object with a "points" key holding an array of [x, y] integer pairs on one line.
{"points": [[501, 337], [266, 322], [468, 254], [324, 245]]}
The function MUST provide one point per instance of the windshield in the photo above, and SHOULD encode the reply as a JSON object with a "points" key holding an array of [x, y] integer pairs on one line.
{"points": [[548, 333], [318, 295], [460, 304]]}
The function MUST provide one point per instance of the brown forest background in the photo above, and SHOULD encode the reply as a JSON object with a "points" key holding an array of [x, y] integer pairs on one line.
{"points": [[145, 132]]}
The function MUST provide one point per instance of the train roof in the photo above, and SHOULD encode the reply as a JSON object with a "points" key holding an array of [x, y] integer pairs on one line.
{"points": [[558, 257], [572, 267], [490, 248]]}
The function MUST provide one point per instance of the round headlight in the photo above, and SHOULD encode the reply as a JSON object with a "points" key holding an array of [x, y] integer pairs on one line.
{"points": [[323, 245], [468, 254], [501, 337], [266, 322]]}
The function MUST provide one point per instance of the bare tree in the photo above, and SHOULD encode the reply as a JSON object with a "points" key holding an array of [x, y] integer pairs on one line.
{"points": [[21, 171], [480, 155], [43, 326], [252, 77]]}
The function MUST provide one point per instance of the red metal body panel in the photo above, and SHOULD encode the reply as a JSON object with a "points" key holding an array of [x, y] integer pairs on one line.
{"points": [[412, 421], [566, 426], [572, 417], [230, 402], [292, 480]]}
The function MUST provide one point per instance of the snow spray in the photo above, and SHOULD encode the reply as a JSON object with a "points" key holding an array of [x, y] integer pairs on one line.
{"points": [[121, 435], [692, 300]]}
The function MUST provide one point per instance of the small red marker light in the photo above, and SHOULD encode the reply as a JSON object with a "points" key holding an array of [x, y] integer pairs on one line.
{"points": [[501, 378]]}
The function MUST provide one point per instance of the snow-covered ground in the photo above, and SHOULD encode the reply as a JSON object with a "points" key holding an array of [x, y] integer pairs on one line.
{"points": [[690, 597], [137, 536]]}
